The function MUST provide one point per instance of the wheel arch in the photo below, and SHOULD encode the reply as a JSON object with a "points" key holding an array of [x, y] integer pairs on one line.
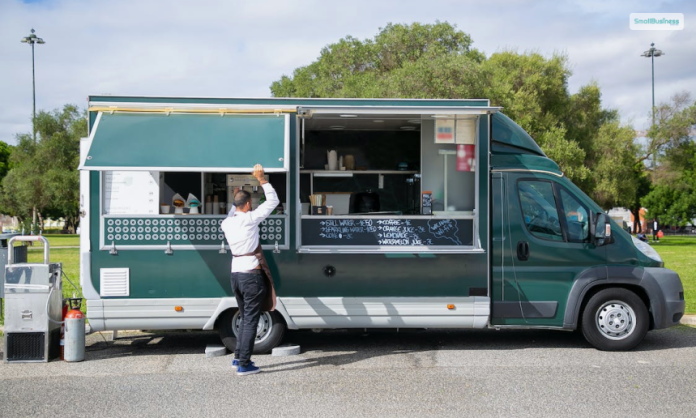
{"points": [[637, 290], [597, 279], [227, 304]]}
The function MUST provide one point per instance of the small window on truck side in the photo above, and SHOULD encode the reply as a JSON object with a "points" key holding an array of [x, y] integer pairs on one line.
{"points": [[576, 217]]}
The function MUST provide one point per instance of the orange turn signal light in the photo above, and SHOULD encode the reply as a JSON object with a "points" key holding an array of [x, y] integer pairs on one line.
{"points": [[178, 308], [450, 306]]}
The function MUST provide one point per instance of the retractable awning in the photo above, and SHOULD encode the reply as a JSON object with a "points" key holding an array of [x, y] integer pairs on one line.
{"points": [[187, 142], [435, 111]]}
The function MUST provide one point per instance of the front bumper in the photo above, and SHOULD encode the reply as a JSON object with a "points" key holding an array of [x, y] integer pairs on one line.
{"points": [[666, 293]]}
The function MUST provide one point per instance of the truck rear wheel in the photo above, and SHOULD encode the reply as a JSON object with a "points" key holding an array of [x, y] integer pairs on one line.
{"points": [[615, 319], [269, 332]]}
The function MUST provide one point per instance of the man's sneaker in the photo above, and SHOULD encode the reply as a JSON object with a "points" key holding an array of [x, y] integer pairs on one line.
{"points": [[249, 369], [235, 362]]}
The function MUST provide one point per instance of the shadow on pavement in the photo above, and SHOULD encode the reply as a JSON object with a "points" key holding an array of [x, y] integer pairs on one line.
{"points": [[352, 346]]}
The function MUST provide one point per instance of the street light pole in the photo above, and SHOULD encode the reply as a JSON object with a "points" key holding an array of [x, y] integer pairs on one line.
{"points": [[33, 39], [652, 53]]}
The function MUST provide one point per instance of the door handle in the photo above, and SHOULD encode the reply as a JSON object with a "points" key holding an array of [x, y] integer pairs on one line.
{"points": [[523, 250]]}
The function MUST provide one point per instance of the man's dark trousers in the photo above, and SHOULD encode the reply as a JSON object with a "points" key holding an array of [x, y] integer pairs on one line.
{"points": [[249, 290]]}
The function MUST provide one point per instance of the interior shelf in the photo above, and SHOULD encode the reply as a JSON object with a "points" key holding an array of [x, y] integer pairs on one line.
{"points": [[353, 172]]}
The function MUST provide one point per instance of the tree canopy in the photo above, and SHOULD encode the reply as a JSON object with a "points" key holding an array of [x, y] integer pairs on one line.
{"points": [[438, 61], [673, 197], [43, 175]]}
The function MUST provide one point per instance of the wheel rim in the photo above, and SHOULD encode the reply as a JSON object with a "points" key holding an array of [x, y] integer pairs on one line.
{"points": [[263, 330], [615, 320]]}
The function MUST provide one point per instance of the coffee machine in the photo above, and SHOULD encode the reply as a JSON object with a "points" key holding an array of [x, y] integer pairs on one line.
{"points": [[244, 182]]}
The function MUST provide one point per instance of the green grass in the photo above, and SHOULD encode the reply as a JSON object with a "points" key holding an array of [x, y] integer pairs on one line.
{"points": [[70, 257], [679, 254], [62, 240]]}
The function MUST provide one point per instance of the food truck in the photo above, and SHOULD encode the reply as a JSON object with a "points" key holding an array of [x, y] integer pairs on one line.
{"points": [[394, 214]]}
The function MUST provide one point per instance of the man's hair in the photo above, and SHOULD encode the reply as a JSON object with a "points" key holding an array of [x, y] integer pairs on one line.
{"points": [[241, 198]]}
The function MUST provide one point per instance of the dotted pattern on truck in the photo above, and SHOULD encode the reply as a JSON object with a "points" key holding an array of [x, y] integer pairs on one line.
{"points": [[182, 230]]}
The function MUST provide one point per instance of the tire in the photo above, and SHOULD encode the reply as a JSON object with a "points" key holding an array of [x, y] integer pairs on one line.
{"points": [[270, 331], [615, 319]]}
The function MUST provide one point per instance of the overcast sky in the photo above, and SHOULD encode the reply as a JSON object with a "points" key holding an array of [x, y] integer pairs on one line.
{"points": [[231, 48]]}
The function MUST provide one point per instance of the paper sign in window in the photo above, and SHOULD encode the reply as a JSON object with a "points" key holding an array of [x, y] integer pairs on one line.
{"points": [[466, 131], [444, 131]]}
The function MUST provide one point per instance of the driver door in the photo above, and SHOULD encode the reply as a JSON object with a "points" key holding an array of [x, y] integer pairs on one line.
{"points": [[546, 246]]}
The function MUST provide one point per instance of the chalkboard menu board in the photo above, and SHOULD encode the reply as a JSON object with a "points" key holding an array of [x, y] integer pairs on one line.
{"points": [[387, 232]]}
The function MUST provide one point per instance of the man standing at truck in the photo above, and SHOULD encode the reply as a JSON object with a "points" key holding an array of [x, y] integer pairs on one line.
{"points": [[251, 280]]}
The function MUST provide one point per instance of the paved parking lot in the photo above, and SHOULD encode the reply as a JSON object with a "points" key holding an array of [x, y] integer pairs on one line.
{"points": [[353, 374]]}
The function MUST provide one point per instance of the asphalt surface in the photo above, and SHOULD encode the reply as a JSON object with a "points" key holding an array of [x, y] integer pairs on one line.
{"points": [[352, 374]]}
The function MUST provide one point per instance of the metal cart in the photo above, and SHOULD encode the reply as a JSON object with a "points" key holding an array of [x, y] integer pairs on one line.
{"points": [[33, 306]]}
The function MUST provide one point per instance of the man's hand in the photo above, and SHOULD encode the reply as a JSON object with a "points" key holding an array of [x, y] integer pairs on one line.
{"points": [[258, 173]]}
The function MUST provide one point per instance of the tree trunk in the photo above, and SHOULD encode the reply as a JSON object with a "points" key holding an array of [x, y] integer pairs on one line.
{"points": [[70, 222], [41, 221]]}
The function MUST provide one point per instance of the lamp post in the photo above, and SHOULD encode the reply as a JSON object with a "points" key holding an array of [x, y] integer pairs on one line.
{"points": [[33, 39], [652, 53]]}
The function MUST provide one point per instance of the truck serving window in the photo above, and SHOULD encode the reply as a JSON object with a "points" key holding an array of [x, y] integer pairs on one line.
{"points": [[364, 178]]}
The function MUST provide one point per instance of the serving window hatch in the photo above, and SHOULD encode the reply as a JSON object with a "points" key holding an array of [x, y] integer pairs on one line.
{"points": [[148, 160], [187, 142]]}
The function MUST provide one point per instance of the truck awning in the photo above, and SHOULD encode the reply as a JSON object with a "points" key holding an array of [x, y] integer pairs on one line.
{"points": [[187, 142], [309, 111]]}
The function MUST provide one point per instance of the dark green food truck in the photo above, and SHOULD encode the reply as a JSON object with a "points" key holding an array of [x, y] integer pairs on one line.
{"points": [[393, 214]]}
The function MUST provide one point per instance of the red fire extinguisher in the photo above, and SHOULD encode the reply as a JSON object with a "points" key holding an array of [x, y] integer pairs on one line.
{"points": [[62, 329]]}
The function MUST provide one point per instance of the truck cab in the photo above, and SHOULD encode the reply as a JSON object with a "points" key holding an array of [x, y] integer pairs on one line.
{"points": [[561, 262]]}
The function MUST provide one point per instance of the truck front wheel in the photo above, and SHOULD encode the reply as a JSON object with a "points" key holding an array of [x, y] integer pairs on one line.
{"points": [[269, 332], [615, 319]]}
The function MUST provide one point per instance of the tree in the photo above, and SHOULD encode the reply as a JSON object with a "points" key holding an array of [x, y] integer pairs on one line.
{"points": [[673, 198], [438, 61], [22, 188], [370, 68], [676, 204], [5, 152], [673, 153], [673, 124], [44, 174], [612, 159]]}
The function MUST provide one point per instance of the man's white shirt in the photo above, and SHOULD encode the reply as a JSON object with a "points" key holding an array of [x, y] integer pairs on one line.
{"points": [[242, 230]]}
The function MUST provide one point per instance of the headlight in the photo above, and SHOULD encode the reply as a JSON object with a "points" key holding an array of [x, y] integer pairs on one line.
{"points": [[646, 249]]}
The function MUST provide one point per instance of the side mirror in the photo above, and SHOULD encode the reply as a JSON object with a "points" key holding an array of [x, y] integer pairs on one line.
{"points": [[602, 230]]}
